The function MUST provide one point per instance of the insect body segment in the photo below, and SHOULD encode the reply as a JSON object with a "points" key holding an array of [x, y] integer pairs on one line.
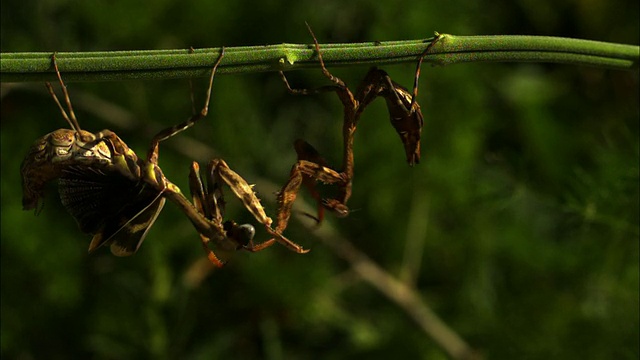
{"points": [[49, 155], [405, 116]]}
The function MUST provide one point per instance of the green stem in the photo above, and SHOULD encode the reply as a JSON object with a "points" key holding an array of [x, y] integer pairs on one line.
{"points": [[167, 64]]}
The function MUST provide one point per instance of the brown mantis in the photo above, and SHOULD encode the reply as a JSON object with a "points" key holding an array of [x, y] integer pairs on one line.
{"points": [[116, 196], [405, 116]]}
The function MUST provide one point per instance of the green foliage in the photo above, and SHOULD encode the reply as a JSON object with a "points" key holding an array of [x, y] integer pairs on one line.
{"points": [[525, 204]]}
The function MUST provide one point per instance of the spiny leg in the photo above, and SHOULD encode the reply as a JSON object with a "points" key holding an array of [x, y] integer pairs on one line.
{"points": [[199, 194], [417, 76], [210, 202], [220, 172], [351, 115], [306, 151], [152, 155], [351, 106], [287, 196], [205, 218], [322, 89], [202, 203], [326, 72], [310, 168], [210, 254], [306, 169], [340, 88]]}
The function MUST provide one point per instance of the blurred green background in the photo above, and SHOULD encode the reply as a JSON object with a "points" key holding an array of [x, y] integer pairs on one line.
{"points": [[519, 227]]}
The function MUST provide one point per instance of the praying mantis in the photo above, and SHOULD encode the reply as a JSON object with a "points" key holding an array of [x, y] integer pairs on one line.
{"points": [[116, 196], [405, 117]]}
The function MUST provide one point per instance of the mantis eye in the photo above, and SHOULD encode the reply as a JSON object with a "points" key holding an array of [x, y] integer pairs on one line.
{"points": [[245, 234], [241, 234]]}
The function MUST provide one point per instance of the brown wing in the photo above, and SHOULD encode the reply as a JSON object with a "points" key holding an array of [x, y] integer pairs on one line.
{"points": [[127, 239], [110, 206]]}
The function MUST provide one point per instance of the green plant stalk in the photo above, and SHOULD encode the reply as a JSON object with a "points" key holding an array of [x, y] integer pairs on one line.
{"points": [[170, 64]]}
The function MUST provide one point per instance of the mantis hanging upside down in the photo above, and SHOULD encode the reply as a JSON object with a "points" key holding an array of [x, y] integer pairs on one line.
{"points": [[117, 196], [405, 116]]}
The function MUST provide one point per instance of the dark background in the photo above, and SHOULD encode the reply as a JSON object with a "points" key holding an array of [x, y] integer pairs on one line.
{"points": [[519, 227]]}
